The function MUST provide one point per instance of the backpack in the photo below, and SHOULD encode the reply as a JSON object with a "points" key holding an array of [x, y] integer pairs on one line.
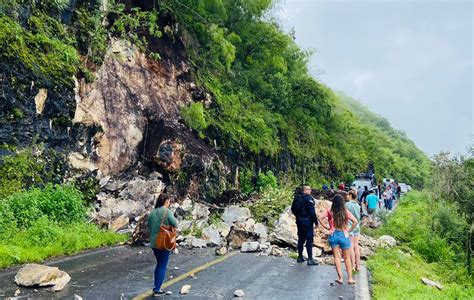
{"points": [[297, 205]]}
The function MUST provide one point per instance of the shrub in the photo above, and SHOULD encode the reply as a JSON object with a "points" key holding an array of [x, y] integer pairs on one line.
{"points": [[265, 180], [31, 167], [57, 203], [193, 116], [271, 204]]}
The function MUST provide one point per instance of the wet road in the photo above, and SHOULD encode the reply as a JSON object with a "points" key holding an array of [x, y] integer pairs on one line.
{"points": [[126, 272]]}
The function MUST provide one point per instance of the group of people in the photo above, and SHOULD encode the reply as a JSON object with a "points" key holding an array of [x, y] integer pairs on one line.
{"points": [[343, 222]]}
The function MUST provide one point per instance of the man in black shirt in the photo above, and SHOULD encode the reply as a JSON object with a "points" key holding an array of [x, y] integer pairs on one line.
{"points": [[303, 209]]}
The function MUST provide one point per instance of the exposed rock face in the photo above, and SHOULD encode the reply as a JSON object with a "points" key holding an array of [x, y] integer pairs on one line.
{"points": [[39, 275], [128, 87]]}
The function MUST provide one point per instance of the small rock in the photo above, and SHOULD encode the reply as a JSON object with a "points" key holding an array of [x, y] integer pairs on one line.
{"points": [[341, 297], [176, 251], [119, 223], [250, 247], [275, 251], [77, 297], [185, 289], [432, 283], [221, 251], [198, 243], [175, 268], [104, 181], [250, 224], [386, 241], [239, 293], [169, 293], [17, 292], [35, 290]]}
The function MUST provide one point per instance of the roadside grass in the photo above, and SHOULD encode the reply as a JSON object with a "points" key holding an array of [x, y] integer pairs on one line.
{"points": [[397, 275], [430, 246], [47, 222], [45, 239]]}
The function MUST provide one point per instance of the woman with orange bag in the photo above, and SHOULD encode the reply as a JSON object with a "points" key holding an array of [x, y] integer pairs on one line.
{"points": [[160, 216]]}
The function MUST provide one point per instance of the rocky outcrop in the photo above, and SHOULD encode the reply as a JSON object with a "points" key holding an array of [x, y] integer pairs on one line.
{"points": [[39, 275]]}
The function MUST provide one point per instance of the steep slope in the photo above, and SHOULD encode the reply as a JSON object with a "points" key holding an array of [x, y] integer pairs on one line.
{"points": [[110, 85]]}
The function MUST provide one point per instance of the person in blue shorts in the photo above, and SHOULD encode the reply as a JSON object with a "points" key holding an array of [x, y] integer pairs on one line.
{"points": [[338, 218]]}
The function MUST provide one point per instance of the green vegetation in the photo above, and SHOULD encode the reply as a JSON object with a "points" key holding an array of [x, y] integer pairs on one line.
{"points": [[271, 204], [436, 230], [41, 223], [193, 116], [268, 107], [27, 168], [397, 275]]}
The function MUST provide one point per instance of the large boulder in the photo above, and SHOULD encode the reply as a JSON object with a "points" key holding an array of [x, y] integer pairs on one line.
{"points": [[261, 230], [40, 275], [237, 237], [212, 236], [235, 213], [286, 232]]}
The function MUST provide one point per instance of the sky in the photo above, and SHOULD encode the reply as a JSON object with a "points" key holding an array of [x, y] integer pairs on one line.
{"points": [[409, 61]]}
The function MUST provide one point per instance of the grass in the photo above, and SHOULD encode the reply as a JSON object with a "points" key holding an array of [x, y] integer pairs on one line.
{"points": [[396, 275], [45, 222], [45, 239], [435, 252]]}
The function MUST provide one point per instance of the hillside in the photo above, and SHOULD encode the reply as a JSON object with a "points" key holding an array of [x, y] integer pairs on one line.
{"points": [[109, 104], [250, 94]]}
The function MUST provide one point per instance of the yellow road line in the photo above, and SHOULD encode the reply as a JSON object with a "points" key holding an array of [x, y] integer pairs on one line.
{"points": [[168, 283]]}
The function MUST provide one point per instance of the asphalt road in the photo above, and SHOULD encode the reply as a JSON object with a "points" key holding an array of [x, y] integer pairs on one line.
{"points": [[126, 272]]}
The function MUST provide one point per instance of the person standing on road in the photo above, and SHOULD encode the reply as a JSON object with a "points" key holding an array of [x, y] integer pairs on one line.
{"points": [[388, 197], [306, 219], [161, 215], [360, 191], [364, 195], [338, 218], [354, 208], [371, 203]]}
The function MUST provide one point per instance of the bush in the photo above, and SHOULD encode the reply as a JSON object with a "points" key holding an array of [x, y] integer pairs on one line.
{"points": [[56, 203], [31, 167], [271, 204], [433, 228], [193, 116], [40, 223], [265, 180]]}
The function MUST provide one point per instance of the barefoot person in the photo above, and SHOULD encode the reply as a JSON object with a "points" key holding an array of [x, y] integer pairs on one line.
{"points": [[338, 218], [161, 215], [354, 208]]}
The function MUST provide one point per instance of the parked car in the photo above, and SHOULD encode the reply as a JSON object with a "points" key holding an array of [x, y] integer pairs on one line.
{"points": [[403, 187]]}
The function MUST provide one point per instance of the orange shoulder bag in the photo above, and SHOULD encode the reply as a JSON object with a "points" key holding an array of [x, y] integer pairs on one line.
{"points": [[166, 238]]}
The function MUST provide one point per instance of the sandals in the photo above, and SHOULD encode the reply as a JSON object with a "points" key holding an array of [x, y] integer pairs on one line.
{"points": [[339, 281], [351, 282]]}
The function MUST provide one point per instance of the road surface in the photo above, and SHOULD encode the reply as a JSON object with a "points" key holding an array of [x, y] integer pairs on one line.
{"points": [[126, 272]]}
